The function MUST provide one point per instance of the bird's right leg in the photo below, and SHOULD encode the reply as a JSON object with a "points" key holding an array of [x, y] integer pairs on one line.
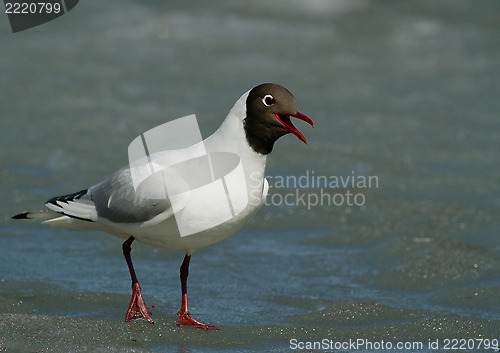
{"points": [[137, 309]]}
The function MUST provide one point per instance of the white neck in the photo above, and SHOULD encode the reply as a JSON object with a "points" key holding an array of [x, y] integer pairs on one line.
{"points": [[231, 137]]}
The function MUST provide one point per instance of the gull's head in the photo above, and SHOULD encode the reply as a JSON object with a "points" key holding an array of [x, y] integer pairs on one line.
{"points": [[268, 110]]}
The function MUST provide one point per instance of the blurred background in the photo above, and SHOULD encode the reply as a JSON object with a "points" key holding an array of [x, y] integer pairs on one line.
{"points": [[404, 91]]}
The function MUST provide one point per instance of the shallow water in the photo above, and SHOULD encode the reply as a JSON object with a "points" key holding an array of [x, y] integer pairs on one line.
{"points": [[404, 92]]}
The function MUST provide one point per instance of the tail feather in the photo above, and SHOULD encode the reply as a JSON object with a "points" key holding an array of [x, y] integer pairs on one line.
{"points": [[42, 214], [77, 206]]}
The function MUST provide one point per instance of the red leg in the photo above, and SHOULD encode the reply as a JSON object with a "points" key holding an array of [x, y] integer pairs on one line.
{"points": [[137, 309], [184, 318]]}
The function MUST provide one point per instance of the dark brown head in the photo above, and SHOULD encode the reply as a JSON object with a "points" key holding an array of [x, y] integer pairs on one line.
{"points": [[269, 108]]}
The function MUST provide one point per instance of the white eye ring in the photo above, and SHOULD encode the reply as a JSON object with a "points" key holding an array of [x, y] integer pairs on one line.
{"points": [[268, 100]]}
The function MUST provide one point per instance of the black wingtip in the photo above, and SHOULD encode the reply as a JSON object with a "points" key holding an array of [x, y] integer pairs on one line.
{"points": [[66, 198], [23, 215]]}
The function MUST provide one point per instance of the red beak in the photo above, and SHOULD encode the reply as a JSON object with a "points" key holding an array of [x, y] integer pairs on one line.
{"points": [[285, 120]]}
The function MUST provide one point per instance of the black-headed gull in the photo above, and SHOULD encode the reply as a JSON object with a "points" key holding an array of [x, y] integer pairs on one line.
{"points": [[185, 219]]}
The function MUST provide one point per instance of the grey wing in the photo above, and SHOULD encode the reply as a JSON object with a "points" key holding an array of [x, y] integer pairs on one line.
{"points": [[131, 196], [118, 200]]}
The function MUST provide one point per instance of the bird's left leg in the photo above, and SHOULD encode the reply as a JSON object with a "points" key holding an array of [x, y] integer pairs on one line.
{"points": [[184, 318], [137, 309]]}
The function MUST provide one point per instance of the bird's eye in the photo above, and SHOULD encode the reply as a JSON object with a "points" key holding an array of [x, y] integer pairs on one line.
{"points": [[268, 100]]}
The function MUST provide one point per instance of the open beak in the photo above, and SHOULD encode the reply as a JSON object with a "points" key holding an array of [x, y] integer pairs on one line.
{"points": [[285, 120]]}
